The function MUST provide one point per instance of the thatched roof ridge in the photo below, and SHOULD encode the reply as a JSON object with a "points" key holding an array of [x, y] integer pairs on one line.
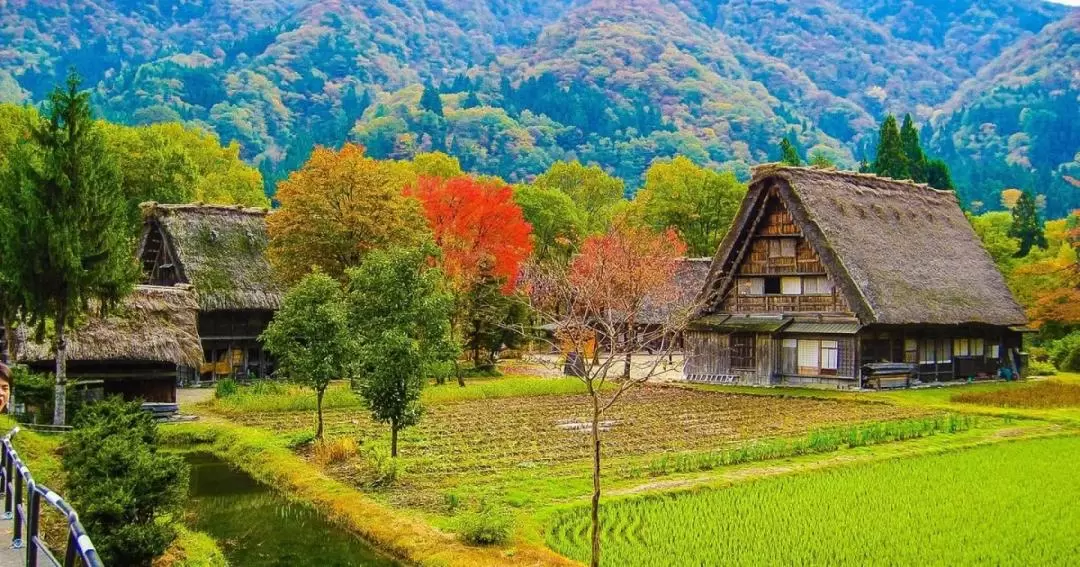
{"points": [[221, 250], [153, 324], [901, 252]]}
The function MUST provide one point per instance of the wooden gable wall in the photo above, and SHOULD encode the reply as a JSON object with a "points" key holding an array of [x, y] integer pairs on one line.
{"points": [[779, 251], [158, 259]]}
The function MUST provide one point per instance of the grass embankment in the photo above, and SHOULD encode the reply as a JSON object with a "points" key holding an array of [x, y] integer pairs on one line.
{"points": [[192, 549], [265, 456], [975, 506]]}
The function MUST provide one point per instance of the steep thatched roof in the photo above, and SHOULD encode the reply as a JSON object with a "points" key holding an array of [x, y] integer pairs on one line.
{"points": [[690, 277], [901, 252], [154, 324], [221, 251]]}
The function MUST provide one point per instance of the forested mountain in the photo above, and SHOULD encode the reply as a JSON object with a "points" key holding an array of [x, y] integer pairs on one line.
{"points": [[1017, 122], [526, 82]]}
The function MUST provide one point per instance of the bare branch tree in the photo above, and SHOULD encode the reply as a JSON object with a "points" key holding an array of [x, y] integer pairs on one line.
{"points": [[598, 305]]}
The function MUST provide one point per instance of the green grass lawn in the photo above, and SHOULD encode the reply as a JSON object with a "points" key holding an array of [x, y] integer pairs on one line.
{"points": [[1004, 504]]}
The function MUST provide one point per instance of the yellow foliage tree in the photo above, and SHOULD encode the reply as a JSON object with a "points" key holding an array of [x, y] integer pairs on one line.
{"points": [[338, 207], [1010, 197]]}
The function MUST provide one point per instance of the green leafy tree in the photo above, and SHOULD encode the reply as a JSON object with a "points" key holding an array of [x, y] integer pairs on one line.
{"points": [[491, 319], [1027, 227], [15, 122], [821, 159], [399, 309], [993, 229], [64, 206], [938, 176], [558, 224], [590, 187], [430, 100], [310, 336], [696, 202], [913, 152], [129, 494], [890, 160], [788, 154]]}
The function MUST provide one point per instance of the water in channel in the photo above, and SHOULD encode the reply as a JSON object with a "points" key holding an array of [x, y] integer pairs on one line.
{"points": [[255, 527]]}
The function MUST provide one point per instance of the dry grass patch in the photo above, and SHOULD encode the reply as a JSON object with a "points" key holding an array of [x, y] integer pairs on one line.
{"points": [[1044, 395]]}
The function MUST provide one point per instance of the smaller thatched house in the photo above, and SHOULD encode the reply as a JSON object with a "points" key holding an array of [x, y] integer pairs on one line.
{"points": [[139, 351], [221, 252], [689, 277], [826, 272]]}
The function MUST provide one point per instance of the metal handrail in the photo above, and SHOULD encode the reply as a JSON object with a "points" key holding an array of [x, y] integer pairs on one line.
{"points": [[15, 476]]}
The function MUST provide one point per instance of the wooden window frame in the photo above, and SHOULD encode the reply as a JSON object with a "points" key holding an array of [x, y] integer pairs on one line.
{"points": [[743, 351]]}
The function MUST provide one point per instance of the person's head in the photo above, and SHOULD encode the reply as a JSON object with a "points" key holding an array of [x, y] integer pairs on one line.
{"points": [[5, 385]]}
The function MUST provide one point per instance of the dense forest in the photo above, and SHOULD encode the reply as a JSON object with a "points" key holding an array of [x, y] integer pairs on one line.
{"points": [[509, 87]]}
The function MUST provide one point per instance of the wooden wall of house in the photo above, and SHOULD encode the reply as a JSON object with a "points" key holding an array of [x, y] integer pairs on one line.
{"points": [[708, 358], [847, 372], [158, 264], [230, 341], [934, 349], [778, 229]]}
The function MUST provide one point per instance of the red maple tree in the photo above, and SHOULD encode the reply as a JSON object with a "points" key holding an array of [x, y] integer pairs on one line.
{"points": [[477, 226]]}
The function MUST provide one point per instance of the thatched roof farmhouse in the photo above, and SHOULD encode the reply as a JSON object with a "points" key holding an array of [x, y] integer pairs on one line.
{"points": [[220, 251], [135, 350], [825, 271]]}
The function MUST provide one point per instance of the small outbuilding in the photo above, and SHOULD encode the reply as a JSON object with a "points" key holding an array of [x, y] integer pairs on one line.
{"points": [[139, 351], [831, 278]]}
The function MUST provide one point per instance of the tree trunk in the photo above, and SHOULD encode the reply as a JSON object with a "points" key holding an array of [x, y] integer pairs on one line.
{"points": [[595, 514], [9, 343], [629, 352], [318, 409], [457, 372], [393, 438], [60, 399]]}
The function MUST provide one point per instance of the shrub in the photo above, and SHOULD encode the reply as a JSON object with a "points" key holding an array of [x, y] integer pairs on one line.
{"points": [[127, 493], [226, 388], [386, 468], [1041, 368], [1065, 352], [488, 525], [36, 393]]}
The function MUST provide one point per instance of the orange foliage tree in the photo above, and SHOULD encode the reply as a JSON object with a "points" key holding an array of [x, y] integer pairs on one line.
{"points": [[1057, 282], [478, 227], [338, 207], [484, 239], [599, 299]]}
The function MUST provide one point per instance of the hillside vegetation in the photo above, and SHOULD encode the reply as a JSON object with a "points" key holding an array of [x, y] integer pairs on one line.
{"points": [[616, 83]]}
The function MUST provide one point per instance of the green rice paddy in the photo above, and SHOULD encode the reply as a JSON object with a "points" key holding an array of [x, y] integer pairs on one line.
{"points": [[1005, 504]]}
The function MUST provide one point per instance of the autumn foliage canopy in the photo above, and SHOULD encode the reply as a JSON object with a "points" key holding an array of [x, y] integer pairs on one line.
{"points": [[477, 226], [337, 208], [621, 270]]}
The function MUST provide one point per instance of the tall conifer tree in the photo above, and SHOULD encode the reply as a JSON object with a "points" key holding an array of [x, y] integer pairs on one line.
{"points": [[788, 155], [66, 209], [890, 160], [430, 100], [916, 159], [1026, 225]]}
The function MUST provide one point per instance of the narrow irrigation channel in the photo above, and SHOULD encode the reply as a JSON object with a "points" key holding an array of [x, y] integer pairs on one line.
{"points": [[257, 527]]}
